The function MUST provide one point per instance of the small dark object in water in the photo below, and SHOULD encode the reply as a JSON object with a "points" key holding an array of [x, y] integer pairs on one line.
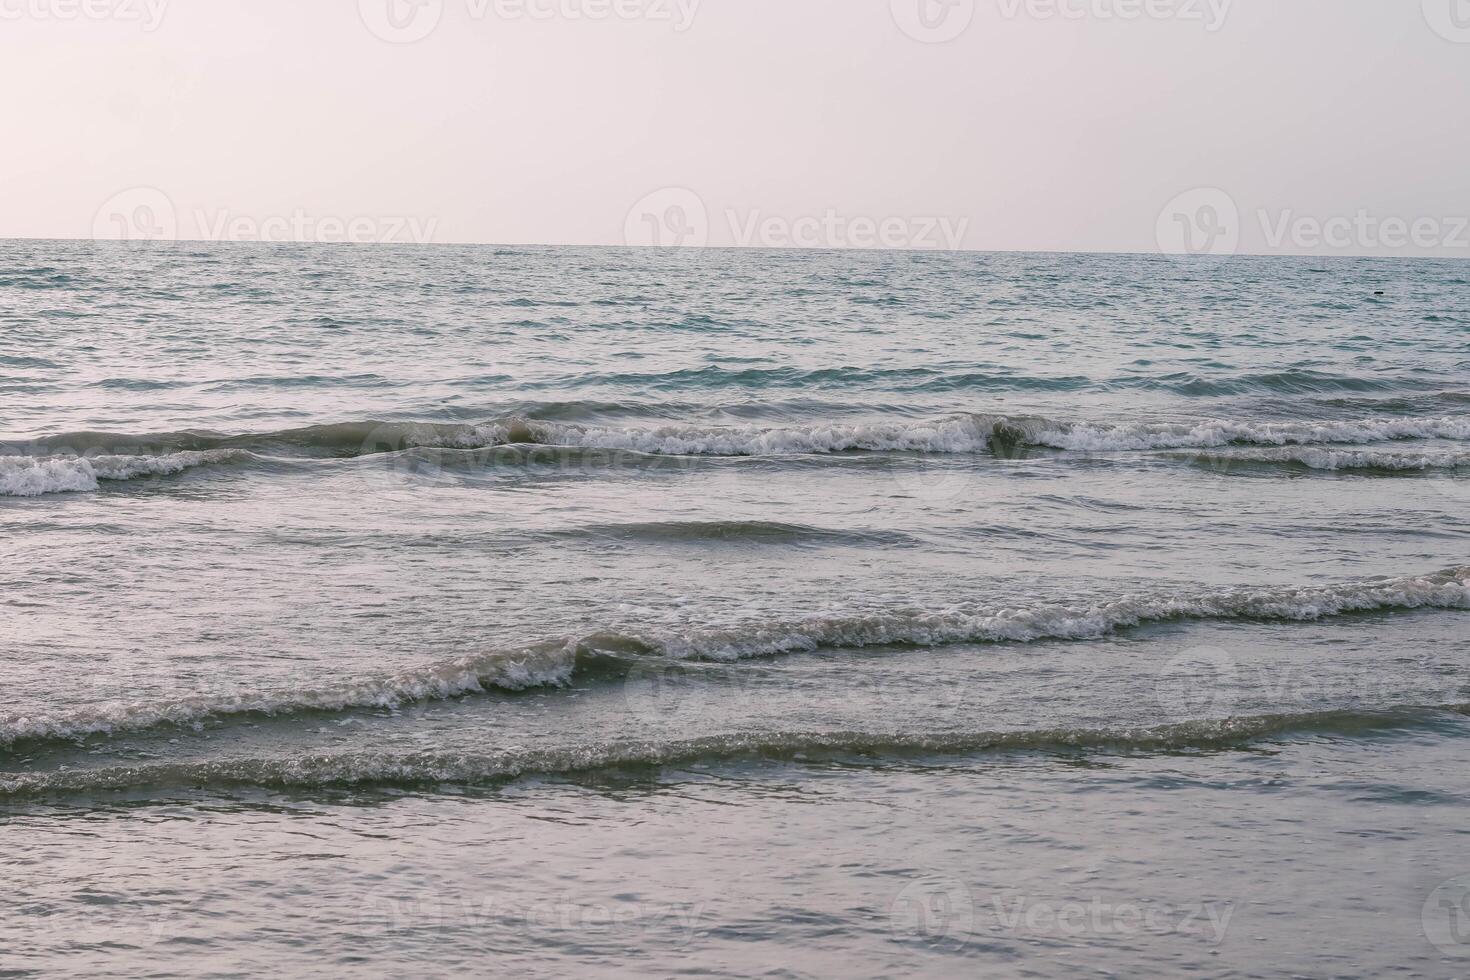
{"points": [[1378, 292]]}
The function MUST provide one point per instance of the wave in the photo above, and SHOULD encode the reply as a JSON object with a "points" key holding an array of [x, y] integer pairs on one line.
{"points": [[555, 663], [29, 476], [958, 433], [71, 462], [429, 769], [965, 433], [1334, 460], [44, 277]]}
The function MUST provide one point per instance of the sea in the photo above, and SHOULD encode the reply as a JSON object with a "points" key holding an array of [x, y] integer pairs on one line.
{"points": [[533, 611]]}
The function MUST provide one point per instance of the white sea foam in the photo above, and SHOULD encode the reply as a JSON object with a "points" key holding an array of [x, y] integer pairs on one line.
{"points": [[23, 476], [957, 434], [1221, 432], [1445, 590], [554, 664], [550, 665], [968, 433], [31, 476]]}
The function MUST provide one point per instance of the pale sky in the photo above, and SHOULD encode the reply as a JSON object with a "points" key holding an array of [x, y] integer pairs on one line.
{"points": [[1109, 125]]}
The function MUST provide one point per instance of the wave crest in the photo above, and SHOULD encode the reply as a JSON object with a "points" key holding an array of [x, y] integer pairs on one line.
{"points": [[554, 664], [29, 476], [957, 433]]}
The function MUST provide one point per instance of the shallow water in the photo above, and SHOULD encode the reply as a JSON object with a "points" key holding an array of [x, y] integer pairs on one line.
{"points": [[739, 612]]}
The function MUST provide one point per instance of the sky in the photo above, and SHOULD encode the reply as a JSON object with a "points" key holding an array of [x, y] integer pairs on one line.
{"points": [[1183, 126]]}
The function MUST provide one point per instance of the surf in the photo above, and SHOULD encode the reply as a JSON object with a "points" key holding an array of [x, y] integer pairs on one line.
{"points": [[612, 652]]}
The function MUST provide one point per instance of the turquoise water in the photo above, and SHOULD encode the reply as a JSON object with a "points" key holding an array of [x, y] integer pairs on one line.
{"points": [[732, 612]]}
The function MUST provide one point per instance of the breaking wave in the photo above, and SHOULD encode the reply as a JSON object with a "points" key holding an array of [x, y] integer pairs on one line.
{"points": [[958, 433], [75, 462], [554, 664], [29, 476]]}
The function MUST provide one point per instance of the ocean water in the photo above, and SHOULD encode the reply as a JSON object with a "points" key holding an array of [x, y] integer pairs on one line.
{"points": [[732, 613]]}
